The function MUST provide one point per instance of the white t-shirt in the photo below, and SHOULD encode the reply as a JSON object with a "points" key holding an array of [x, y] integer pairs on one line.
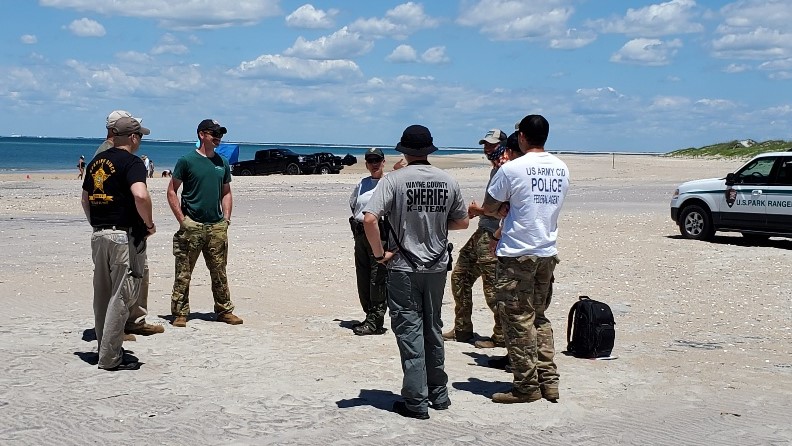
{"points": [[535, 186], [361, 196]]}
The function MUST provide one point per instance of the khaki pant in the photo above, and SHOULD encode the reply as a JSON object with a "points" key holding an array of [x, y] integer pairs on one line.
{"points": [[189, 242], [524, 290], [475, 261], [118, 272]]}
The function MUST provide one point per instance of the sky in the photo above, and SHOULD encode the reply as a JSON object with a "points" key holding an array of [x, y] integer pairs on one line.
{"points": [[609, 75]]}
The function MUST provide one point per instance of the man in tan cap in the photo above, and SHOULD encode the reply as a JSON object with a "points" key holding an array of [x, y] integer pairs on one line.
{"points": [[136, 325], [117, 203]]}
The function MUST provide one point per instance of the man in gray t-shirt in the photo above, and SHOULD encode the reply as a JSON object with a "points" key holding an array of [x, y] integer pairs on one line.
{"points": [[421, 203]]}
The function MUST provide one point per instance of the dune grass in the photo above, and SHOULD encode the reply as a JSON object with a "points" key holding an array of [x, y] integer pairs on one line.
{"points": [[734, 149]]}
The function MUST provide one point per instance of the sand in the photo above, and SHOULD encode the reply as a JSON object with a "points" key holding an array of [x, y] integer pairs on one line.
{"points": [[704, 329]]}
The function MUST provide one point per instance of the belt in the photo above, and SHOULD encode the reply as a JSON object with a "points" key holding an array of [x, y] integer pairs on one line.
{"points": [[113, 227]]}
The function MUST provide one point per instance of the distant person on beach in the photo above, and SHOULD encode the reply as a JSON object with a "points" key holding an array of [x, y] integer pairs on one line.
{"points": [[117, 203], [203, 214], [475, 261], [167, 173], [146, 163], [370, 274], [136, 324], [81, 167], [151, 169], [421, 204], [534, 186]]}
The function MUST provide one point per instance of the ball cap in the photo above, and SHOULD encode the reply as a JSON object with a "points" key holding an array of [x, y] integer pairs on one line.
{"points": [[212, 125], [115, 115], [416, 141], [374, 152], [493, 136], [127, 126]]}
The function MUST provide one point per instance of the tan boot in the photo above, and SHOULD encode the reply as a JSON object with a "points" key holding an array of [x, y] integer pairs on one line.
{"points": [[550, 393], [129, 337], [229, 318], [145, 329], [180, 321], [516, 397], [459, 336]]}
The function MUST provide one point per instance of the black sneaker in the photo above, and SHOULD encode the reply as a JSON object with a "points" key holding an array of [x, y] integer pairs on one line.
{"points": [[365, 330], [125, 366], [441, 406], [400, 407]]}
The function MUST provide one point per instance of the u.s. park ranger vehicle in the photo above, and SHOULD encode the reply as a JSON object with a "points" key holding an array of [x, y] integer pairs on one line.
{"points": [[756, 200]]}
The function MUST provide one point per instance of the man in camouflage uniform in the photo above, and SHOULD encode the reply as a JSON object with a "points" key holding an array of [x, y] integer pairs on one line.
{"points": [[534, 186], [204, 214], [475, 260]]}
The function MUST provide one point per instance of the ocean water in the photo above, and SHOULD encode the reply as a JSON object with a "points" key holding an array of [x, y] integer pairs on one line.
{"points": [[20, 154]]}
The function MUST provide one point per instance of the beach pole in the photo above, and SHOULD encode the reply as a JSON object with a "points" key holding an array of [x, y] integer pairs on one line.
{"points": [[613, 160]]}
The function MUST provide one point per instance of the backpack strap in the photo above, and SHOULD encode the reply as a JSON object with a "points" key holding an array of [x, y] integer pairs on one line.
{"points": [[410, 257], [571, 318]]}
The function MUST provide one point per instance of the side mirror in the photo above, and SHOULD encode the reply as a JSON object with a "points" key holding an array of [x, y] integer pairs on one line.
{"points": [[731, 179]]}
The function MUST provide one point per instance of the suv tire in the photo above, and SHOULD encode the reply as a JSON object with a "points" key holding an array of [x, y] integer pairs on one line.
{"points": [[246, 173], [292, 169], [695, 222]]}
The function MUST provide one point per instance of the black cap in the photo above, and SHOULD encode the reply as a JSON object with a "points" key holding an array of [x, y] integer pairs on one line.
{"points": [[212, 125], [416, 141], [374, 152]]}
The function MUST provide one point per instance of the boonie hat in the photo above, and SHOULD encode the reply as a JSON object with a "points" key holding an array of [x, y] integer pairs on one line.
{"points": [[127, 126], [416, 141], [115, 115], [212, 125], [493, 136], [374, 152]]}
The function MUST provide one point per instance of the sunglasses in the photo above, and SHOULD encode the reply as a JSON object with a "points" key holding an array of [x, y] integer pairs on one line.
{"points": [[374, 160], [214, 133]]}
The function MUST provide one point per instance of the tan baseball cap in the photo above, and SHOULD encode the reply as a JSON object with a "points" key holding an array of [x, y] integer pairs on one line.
{"points": [[115, 115], [127, 126]]}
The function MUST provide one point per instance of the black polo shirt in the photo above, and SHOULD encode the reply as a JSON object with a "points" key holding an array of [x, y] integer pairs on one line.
{"points": [[108, 179]]}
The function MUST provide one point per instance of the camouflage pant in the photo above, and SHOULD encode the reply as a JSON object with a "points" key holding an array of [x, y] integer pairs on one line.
{"points": [[189, 242], [523, 291], [474, 261]]}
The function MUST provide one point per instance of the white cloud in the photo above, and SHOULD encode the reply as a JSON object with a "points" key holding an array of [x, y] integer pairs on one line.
{"points": [[183, 14], [169, 44], [673, 17], [717, 104], [435, 55], [736, 68], [670, 103], [398, 22], [756, 44], [650, 52], [403, 54], [780, 64], [282, 67], [86, 27], [516, 20], [756, 13], [28, 39], [342, 44], [306, 16], [573, 39]]}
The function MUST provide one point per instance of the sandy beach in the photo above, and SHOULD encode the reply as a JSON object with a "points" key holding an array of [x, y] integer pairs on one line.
{"points": [[704, 329]]}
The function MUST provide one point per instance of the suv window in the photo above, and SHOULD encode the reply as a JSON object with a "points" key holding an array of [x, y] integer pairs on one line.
{"points": [[784, 175], [757, 172]]}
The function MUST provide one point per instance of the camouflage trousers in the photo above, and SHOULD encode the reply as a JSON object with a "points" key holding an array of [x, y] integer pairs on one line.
{"points": [[371, 282], [524, 290], [474, 261], [189, 242]]}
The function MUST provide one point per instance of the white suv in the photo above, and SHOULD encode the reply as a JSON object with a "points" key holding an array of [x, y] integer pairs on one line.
{"points": [[756, 200]]}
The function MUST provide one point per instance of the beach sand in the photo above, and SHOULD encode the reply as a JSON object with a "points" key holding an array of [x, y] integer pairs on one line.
{"points": [[704, 330]]}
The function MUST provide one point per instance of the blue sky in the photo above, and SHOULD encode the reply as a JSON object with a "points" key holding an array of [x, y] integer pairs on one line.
{"points": [[607, 74]]}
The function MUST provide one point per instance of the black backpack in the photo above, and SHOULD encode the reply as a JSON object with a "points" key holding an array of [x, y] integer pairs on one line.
{"points": [[590, 329]]}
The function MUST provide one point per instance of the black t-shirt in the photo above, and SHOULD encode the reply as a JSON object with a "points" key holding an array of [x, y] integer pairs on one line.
{"points": [[108, 180]]}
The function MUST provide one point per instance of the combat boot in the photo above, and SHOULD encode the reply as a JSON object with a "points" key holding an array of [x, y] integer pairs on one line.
{"points": [[488, 343], [229, 318], [516, 397], [459, 336], [145, 329], [129, 337], [550, 393], [180, 321]]}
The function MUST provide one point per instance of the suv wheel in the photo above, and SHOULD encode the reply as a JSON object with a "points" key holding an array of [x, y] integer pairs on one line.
{"points": [[324, 170], [246, 173], [292, 169], [696, 223]]}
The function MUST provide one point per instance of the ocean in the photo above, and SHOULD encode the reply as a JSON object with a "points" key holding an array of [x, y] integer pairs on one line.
{"points": [[20, 154]]}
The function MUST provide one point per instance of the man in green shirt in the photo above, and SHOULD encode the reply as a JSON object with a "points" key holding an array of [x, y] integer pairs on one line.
{"points": [[203, 213]]}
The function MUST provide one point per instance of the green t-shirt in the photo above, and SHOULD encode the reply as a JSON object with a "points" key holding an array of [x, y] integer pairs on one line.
{"points": [[202, 185]]}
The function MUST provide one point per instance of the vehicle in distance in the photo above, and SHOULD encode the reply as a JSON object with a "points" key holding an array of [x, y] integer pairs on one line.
{"points": [[756, 201], [327, 163], [269, 161]]}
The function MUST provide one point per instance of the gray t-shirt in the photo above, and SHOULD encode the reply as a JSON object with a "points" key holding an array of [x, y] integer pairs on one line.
{"points": [[418, 201], [486, 222]]}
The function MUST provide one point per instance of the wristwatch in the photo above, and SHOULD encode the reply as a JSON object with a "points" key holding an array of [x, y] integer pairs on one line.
{"points": [[382, 257]]}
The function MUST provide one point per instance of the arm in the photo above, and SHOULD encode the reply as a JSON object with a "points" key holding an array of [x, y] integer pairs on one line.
{"points": [[491, 205], [458, 224], [173, 199], [143, 205], [227, 201], [86, 205]]}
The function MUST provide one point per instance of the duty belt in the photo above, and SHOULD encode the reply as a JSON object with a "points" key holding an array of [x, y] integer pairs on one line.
{"points": [[113, 227]]}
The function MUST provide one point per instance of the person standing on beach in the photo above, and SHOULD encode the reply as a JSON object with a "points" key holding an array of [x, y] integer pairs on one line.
{"points": [[151, 169], [203, 214], [421, 204], [475, 261], [370, 274], [136, 324], [117, 203], [534, 186], [81, 167]]}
